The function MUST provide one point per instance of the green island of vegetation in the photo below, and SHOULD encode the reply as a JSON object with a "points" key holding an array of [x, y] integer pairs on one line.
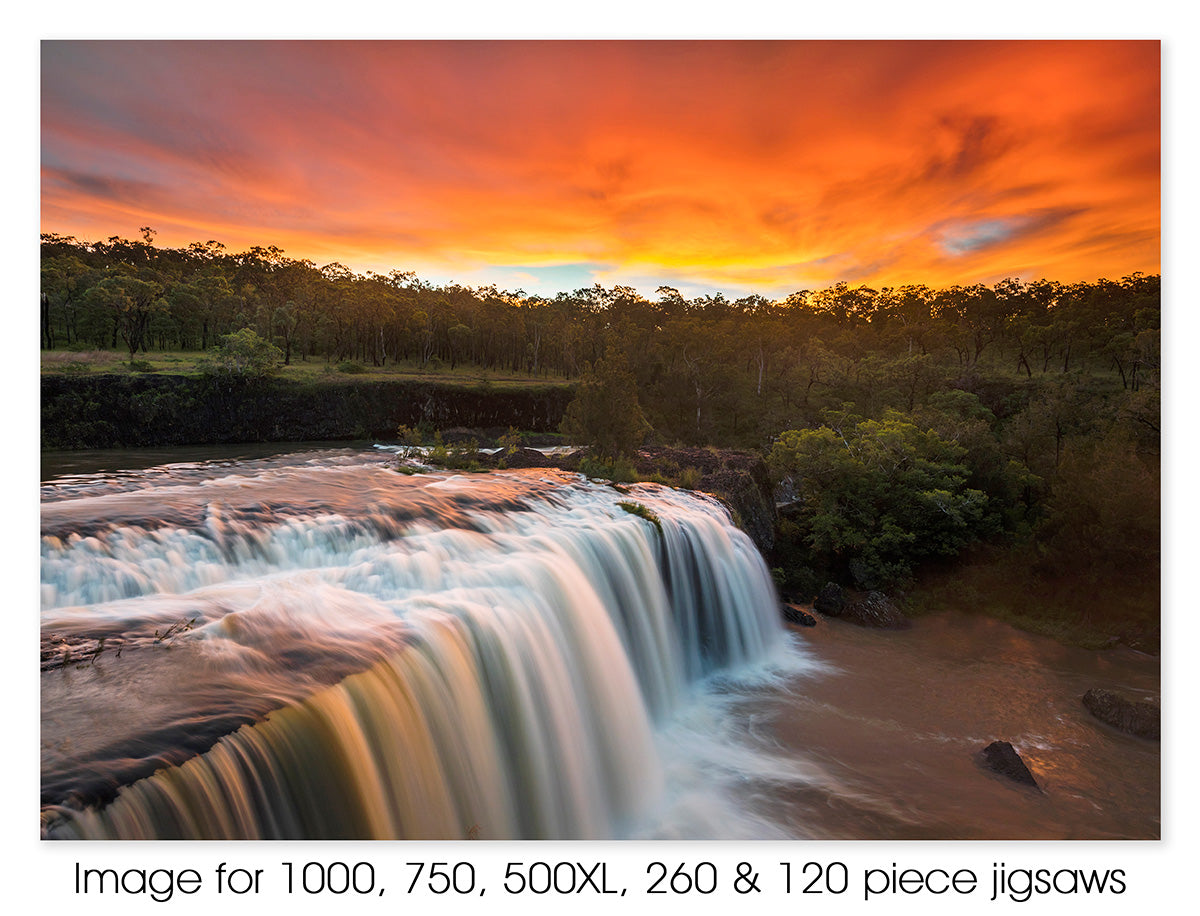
{"points": [[990, 448]]}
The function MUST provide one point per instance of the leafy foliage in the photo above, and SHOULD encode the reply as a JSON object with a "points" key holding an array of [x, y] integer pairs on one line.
{"points": [[642, 511], [1105, 514], [605, 414], [618, 470], [877, 497], [243, 355]]}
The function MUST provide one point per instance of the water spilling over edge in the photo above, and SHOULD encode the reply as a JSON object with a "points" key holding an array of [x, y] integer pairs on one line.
{"points": [[322, 648]]}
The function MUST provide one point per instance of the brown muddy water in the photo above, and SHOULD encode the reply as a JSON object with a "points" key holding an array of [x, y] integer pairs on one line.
{"points": [[898, 717]]}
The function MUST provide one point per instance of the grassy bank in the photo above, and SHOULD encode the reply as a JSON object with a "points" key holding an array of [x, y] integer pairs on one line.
{"points": [[84, 363], [1006, 583]]}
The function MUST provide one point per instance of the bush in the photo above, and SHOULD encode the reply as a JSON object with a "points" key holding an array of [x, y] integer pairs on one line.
{"points": [[510, 442], [349, 367], [242, 355], [875, 498], [410, 441], [617, 470], [461, 456], [605, 414]]}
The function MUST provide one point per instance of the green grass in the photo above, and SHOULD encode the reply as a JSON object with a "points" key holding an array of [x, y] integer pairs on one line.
{"points": [[642, 512], [116, 362]]}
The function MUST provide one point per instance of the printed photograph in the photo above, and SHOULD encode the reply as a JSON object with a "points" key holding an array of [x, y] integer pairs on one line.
{"points": [[600, 440]]}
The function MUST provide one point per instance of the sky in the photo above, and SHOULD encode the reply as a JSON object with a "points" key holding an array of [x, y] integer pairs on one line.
{"points": [[734, 166]]}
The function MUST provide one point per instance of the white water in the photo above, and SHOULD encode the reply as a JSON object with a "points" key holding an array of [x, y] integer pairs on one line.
{"points": [[320, 647]]}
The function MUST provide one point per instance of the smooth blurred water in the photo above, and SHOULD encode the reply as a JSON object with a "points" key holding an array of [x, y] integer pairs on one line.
{"points": [[316, 645]]}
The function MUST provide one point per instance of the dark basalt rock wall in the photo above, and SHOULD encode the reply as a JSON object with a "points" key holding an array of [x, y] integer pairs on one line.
{"points": [[112, 411], [741, 479]]}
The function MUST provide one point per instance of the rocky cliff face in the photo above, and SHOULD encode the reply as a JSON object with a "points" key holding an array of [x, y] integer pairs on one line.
{"points": [[156, 410], [741, 479]]}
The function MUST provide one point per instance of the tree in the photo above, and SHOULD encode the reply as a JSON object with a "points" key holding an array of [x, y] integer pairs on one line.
{"points": [[130, 302], [605, 414], [243, 355], [1104, 519], [65, 281], [877, 497]]}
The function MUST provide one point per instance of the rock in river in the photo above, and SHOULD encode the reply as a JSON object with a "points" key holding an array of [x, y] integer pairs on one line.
{"points": [[1137, 717], [1002, 758], [867, 609]]}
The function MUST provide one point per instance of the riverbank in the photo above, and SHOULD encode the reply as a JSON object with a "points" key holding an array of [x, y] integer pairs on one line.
{"points": [[1006, 583], [1002, 582]]}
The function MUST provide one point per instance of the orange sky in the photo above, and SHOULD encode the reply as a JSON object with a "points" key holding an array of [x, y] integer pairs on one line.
{"points": [[736, 166]]}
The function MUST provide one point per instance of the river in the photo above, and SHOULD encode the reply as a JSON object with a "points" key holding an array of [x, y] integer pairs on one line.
{"points": [[250, 643]]}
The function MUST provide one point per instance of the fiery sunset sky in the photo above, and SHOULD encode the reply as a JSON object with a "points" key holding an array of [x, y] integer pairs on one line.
{"points": [[736, 166]]}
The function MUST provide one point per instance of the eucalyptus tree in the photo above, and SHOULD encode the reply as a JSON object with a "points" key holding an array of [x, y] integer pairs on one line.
{"points": [[130, 302]]}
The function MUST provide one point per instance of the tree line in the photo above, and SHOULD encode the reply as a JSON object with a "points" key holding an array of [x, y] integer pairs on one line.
{"points": [[708, 368]]}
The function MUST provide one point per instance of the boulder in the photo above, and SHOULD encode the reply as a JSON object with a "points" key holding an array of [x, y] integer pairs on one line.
{"points": [[1135, 717], [831, 601], [1002, 758], [459, 435], [524, 458], [875, 609], [797, 616], [867, 609]]}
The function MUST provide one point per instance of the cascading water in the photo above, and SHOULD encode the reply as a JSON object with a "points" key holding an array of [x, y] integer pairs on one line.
{"points": [[322, 648]]}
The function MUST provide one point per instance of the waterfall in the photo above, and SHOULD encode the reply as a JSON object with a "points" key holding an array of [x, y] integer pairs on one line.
{"points": [[344, 652]]}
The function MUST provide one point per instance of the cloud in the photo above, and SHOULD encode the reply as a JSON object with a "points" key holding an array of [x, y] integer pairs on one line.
{"points": [[971, 237], [786, 163]]}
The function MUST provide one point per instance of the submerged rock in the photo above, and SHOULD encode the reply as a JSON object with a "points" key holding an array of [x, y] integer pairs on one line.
{"points": [[1136, 717], [1002, 758]]}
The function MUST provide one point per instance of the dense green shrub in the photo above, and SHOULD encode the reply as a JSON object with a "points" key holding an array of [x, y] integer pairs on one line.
{"points": [[605, 414], [618, 470], [876, 497], [243, 355]]}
